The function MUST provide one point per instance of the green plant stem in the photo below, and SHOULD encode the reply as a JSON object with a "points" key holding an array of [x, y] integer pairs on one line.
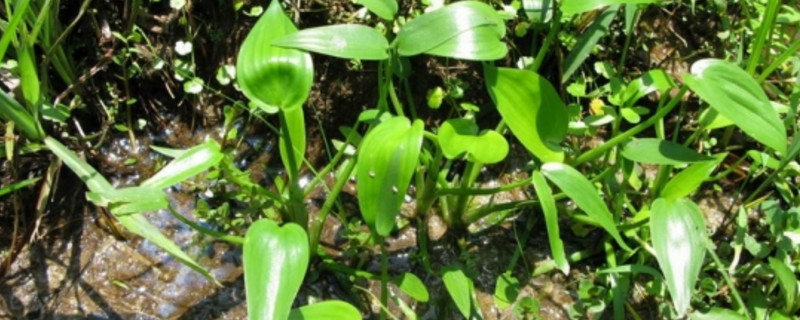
{"points": [[216, 234], [548, 41], [331, 165], [484, 191], [295, 207], [398, 107], [622, 137], [384, 277], [410, 99], [794, 150], [791, 51], [470, 175], [740, 305], [762, 36], [336, 267], [333, 196]]}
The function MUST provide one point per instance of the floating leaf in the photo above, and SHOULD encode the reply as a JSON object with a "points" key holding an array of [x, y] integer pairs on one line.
{"points": [[455, 30], [687, 181], [386, 9], [460, 288], [571, 7], [271, 75], [679, 235], [188, 164], [532, 109], [347, 41], [657, 151], [734, 93], [412, 286], [275, 261], [387, 159], [575, 185], [548, 203], [325, 310], [457, 136]]}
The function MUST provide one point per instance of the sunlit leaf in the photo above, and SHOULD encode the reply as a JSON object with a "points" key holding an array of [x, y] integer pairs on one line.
{"points": [[575, 185], [458, 136], [460, 288], [734, 93], [275, 261], [412, 286], [386, 9], [23, 120], [348, 41], [130, 200], [571, 7], [548, 204], [292, 137], [787, 281], [453, 31], [326, 310], [531, 108], [652, 81], [188, 164], [678, 234], [271, 75], [93, 179], [717, 314], [387, 158], [689, 179], [587, 42], [506, 290], [657, 151]]}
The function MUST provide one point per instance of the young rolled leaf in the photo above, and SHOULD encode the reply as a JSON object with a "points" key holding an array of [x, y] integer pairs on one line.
{"points": [[575, 185], [734, 93], [326, 310], [386, 9], [270, 75], [548, 203], [689, 179], [664, 152], [347, 41], [678, 234], [455, 30], [387, 159], [292, 137], [188, 164], [532, 109], [459, 136], [275, 261], [461, 290]]}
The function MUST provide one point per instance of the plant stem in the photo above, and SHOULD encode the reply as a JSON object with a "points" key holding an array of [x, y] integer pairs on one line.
{"points": [[333, 195], [727, 277], [384, 277]]}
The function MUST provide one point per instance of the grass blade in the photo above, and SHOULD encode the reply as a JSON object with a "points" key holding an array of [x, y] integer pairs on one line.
{"points": [[548, 203], [587, 41]]}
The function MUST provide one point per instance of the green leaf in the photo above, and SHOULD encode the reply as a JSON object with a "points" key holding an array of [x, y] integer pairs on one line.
{"points": [[4, 190], [326, 310], [11, 110], [93, 180], [788, 282], [571, 7], [687, 181], [386, 9], [532, 109], [292, 137], [275, 262], [460, 288], [575, 185], [678, 234], [455, 30], [130, 200], [347, 41], [412, 286], [548, 203], [506, 290], [652, 81], [664, 152], [188, 164], [587, 42], [717, 314], [387, 159], [458, 136], [736, 95], [271, 75]]}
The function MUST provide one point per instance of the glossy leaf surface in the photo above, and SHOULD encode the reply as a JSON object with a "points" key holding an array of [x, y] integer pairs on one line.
{"points": [[733, 93], [188, 164], [571, 7], [532, 109], [548, 204], [787, 281], [275, 261], [460, 288], [347, 41], [453, 31], [657, 151], [387, 158], [678, 234], [575, 185], [689, 179], [386, 9], [271, 75], [459, 136], [412, 286], [292, 137], [326, 310]]}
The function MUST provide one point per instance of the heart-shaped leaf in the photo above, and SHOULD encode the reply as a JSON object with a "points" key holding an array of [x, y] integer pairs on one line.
{"points": [[457, 136], [347, 41], [532, 109], [453, 31], [386, 9], [678, 233], [657, 151], [271, 75], [733, 93], [275, 261], [575, 185], [387, 159], [330, 309]]}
